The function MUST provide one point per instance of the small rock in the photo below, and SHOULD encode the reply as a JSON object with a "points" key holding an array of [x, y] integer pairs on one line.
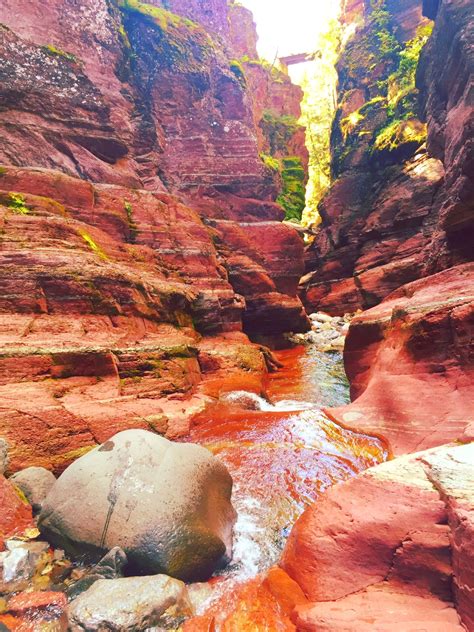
{"points": [[130, 604], [109, 567], [3, 456], [37, 600], [321, 317], [35, 483], [19, 563]]}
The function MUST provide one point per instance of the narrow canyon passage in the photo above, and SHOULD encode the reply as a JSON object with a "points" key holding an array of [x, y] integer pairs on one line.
{"points": [[236, 316]]}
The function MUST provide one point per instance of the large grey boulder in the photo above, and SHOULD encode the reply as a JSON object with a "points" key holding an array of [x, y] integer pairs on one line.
{"points": [[167, 505], [35, 483], [130, 604]]}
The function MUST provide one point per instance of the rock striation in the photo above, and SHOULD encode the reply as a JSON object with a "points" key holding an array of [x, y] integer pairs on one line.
{"points": [[401, 204], [138, 216]]}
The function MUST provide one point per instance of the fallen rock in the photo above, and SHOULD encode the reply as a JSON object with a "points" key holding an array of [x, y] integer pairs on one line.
{"points": [[109, 567], [375, 552], [167, 505], [129, 604], [35, 483]]}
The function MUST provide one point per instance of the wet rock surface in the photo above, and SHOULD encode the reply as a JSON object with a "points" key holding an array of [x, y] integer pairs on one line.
{"points": [[166, 505], [132, 603]]}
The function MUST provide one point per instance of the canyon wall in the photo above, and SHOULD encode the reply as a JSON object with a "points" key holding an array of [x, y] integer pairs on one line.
{"points": [[401, 206], [140, 237]]}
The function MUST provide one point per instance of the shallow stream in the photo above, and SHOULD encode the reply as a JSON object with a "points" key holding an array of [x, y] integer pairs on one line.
{"points": [[282, 452]]}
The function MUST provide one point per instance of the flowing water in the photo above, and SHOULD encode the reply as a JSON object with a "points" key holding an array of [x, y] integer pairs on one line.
{"points": [[282, 452]]}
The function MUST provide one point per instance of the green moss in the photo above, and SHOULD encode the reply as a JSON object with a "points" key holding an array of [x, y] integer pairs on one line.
{"points": [[57, 52], [293, 195], [93, 246], [278, 130], [400, 132], [3, 171], [401, 82], [238, 70], [161, 17], [16, 203], [182, 45], [272, 163]]}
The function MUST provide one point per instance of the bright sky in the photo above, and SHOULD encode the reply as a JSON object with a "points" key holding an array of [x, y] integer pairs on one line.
{"points": [[286, 27]]}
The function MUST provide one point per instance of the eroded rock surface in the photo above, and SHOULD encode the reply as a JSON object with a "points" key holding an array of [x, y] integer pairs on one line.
{"points": [[410, 364], [401, 207], [380, 549]]}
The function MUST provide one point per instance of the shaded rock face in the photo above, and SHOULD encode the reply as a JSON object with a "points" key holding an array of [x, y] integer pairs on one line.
{"points": [[397, 211], [396, 564], [167, 505]]}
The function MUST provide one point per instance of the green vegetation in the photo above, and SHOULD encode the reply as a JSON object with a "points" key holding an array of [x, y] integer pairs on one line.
{"points": [[402, 81], [53, 50], [293, 195], [278, 130], [161, 17], [93, 246], [131, 223], [238, 70], [318, 110], [272, 163], [16, 203], [181, 45], [398, 133]]}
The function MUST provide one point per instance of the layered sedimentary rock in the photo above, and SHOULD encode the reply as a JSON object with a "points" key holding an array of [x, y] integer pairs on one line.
{"points": [[132, 94], [401, 204], [137, 217], [104, 290], [401, 565]]}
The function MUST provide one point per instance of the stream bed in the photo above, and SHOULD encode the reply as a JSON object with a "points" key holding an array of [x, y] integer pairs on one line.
{"points": [[282, 453]]}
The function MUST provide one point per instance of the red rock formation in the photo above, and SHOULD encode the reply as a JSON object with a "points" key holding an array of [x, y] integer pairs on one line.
{"points": [[397, 214], [102, 287], [129, 94], [410, 364], [375, 552], [137, 216], [15, 516]]}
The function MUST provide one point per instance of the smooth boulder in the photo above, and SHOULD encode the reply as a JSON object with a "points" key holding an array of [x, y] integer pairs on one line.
{"points": [[35, 483], [167, 505]]}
